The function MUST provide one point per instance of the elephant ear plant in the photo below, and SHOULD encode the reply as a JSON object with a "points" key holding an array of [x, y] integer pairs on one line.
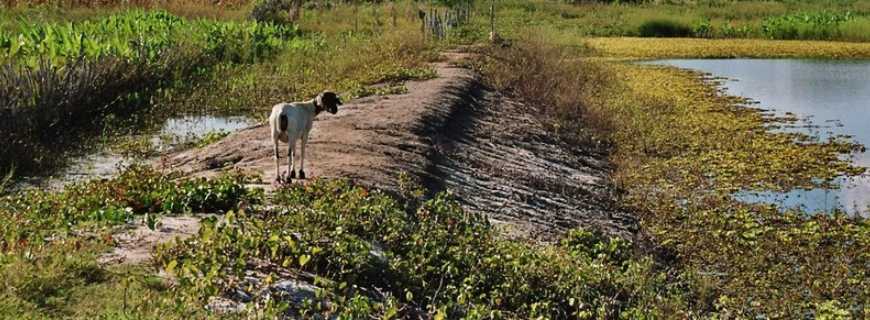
{"points": [[68, 76]]}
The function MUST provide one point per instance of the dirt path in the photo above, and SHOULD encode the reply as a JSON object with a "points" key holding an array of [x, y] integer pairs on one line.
{"points": [[452, 133]]}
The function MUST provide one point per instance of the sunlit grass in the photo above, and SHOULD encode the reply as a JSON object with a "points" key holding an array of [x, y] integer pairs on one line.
{"points": [[339, 53], [646, 48]]}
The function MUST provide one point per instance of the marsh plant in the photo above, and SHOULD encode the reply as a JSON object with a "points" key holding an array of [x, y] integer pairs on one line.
{"points": [[66, 76]]}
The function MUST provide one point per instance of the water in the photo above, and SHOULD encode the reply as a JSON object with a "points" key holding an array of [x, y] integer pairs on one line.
{"points": [[106, 163], [200, 125], [835, 95]]}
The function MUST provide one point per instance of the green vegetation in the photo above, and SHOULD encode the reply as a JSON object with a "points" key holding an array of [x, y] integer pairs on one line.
{"points": [[141, 35], [374, 256], [211, 137], [680, 151], [744, 260], [50, 241], [815, 25], [66, 75], [823, 20], [101, 67], [31, 217]]}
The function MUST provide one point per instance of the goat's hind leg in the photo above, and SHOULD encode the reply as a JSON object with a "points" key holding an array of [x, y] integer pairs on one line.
{"points": [[302, 161], [278, 176], [290, 160]]}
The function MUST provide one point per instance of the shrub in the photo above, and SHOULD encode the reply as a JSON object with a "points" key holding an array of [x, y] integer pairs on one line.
{"points": [[664, 28], [703, 29], [274, 11]]}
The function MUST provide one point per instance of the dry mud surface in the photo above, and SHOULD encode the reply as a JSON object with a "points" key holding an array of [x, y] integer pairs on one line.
{"points": [[451, 133], [135, 245]]}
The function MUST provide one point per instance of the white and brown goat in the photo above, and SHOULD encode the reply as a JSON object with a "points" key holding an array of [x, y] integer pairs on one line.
{"points": [[292, 121]]}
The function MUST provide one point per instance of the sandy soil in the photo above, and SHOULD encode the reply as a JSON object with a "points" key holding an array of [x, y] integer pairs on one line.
{"points": [[135, 245]]}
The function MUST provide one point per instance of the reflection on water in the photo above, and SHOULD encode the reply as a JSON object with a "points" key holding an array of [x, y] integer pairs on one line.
{"points": [[200, 125], [105, 163], [834, 94]]}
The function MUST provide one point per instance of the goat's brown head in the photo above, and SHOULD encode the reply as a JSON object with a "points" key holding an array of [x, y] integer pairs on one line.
{"points": [[328, 101]]}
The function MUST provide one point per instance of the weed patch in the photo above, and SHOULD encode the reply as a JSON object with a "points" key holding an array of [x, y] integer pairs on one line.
{"points": [[422, 261]]}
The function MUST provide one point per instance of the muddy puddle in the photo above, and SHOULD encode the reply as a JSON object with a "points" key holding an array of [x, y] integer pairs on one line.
{"points": [[106, 161]]}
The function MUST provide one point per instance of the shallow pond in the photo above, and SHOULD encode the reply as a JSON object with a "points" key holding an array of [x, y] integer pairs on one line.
{"points": [[106, 162], [833, 95]]}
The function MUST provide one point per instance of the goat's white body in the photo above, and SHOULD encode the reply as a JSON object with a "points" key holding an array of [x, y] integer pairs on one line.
{"points": [[300, 116]]}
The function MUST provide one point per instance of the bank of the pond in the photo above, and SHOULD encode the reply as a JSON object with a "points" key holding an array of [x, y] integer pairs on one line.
{"points": [[830, 97], [682, 147], [661, 48]]}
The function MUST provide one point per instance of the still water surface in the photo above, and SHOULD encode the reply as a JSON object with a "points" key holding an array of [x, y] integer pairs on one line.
{"points": [[105, 163], [833, 95]]}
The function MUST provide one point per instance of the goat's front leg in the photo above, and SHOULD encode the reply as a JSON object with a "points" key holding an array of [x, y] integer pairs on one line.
{"points": [[302, 161]]}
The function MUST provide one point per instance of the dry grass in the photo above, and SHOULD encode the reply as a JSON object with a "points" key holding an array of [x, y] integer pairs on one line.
{"points": [[552, 82], [649, 48]]}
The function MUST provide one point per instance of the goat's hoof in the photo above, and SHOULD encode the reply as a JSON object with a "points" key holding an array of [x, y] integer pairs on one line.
{"points": [[292, 174], [301, 174]]}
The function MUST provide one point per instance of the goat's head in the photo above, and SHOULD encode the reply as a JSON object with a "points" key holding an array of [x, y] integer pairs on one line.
{"points": [[329, 101]]}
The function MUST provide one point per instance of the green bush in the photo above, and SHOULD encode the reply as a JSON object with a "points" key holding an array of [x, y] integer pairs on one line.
{"points": [[703, 29], [274, 11], [664, 28]]}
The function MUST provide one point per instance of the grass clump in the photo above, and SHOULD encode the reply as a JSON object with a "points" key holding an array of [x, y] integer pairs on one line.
{"points": [[211, 137], [554, 85]]}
